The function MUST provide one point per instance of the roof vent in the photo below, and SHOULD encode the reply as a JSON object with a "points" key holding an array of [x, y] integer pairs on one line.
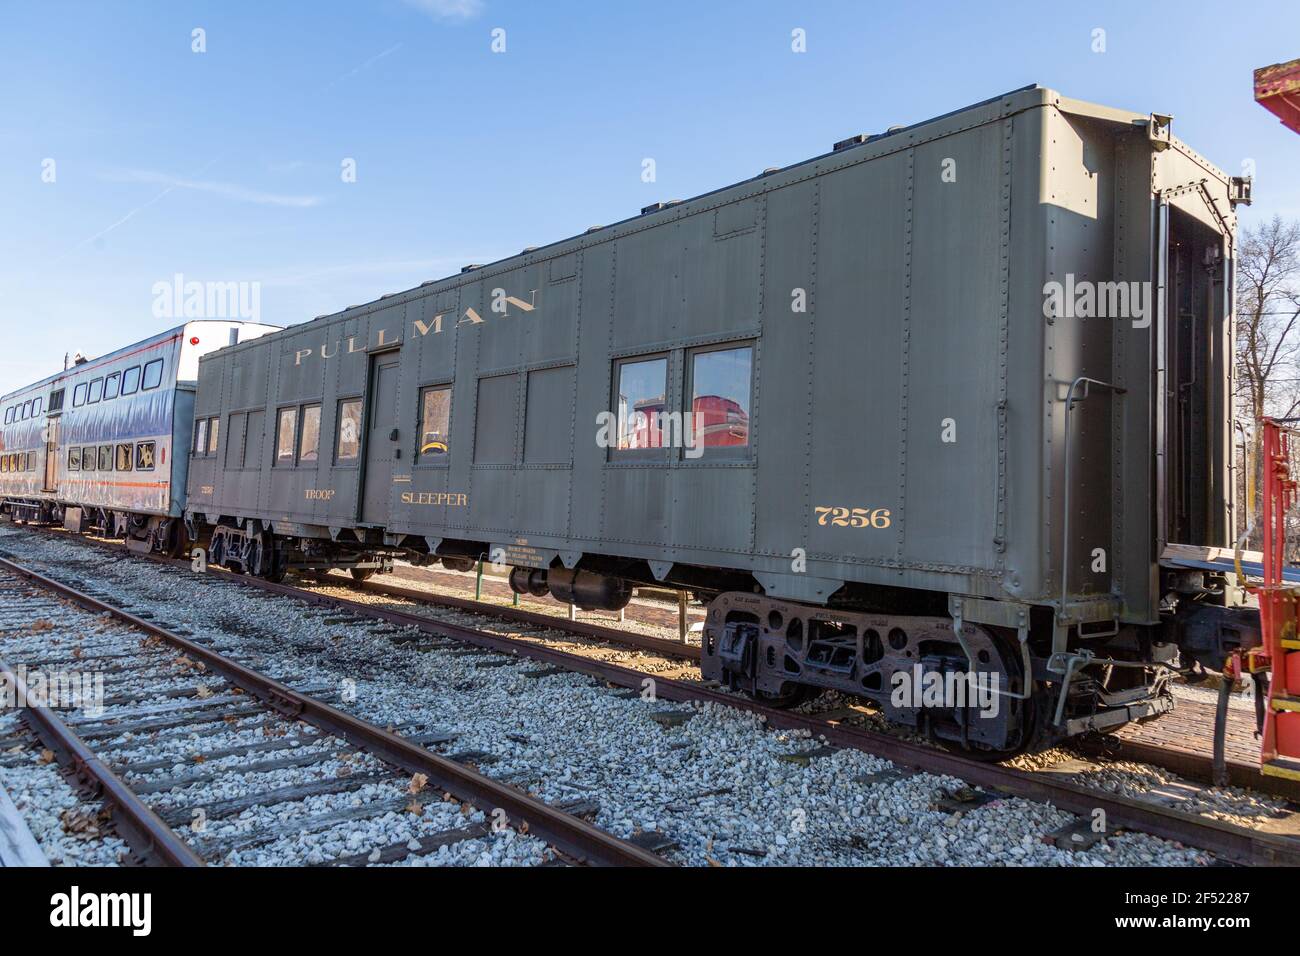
{"points": [[427, 282], [528, 249], [471, 267], [595, 228], [769, 171], [851, 141]]}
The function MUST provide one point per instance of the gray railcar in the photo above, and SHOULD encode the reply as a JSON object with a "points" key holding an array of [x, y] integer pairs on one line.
{"points": [[935, 400]]}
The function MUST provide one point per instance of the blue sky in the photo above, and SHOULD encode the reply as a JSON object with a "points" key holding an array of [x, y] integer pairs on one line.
{"points": [[226, 165]]}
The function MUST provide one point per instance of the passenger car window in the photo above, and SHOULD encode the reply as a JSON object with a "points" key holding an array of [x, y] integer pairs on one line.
{"points": [[36, 406], [56, 400], [96, 390], [111, 385], [435, 422], [9, 416], [124, 455], [79, 395], [720, 390], [213, 425], [642, 392], [131, 380], [105, 458], [200, 436], [310, 445], [152, 375], [144, 456], [284, 434], [74, 459], [349, 429], [88, 456]]}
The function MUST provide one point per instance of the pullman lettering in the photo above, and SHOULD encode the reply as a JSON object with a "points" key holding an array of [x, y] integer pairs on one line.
{"points": [[501, 304]]}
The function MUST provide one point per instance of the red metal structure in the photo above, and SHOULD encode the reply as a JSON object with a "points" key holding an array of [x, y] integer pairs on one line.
{"points": [[1280, 744], [1277, 89]]}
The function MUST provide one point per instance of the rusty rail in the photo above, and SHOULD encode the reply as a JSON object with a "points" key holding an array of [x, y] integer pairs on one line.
{"points": [[135, 821], [569, 834]]}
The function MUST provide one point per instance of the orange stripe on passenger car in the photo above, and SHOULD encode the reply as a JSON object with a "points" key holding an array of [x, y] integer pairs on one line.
{"points": [[116, 484]]}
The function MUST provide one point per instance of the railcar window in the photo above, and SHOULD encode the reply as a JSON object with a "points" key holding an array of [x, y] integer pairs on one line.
{"points": [[112, 385], [435, 422], [144, 455], [285, 426], [4, 463], [642, 392], [27, 409], [79, 395], [88, 459], [124, 456], [36, 406], [9, 416], [74, 459], [720, 391], [200, 436], [131, 380], [96, 391], [152, 375], [309, 448], [105, 457], [349, 430], [214, 425], [56, 400]]}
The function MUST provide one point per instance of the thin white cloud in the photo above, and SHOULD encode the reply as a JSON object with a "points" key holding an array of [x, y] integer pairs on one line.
{"points": [[364, 66], [228, 190], [448, 9]]}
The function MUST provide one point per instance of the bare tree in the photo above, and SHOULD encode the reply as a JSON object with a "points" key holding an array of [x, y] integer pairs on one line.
{"points": [[1268, 336]]}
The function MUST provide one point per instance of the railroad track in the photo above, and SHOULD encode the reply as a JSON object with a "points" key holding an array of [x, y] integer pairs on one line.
{"points": [[1228, 842], [182, 692]]}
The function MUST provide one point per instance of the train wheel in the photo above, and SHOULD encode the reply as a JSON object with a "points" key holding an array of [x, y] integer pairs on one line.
{"points": [[361, 574]]}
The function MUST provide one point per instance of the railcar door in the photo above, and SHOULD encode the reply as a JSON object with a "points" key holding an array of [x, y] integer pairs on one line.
{"points": [[381, 440], [51, 454]]}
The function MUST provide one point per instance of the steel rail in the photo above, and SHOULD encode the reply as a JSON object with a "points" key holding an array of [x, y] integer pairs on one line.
{"points": [[1231, 843], [598, 632], [569, 834], [135, 821]]}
